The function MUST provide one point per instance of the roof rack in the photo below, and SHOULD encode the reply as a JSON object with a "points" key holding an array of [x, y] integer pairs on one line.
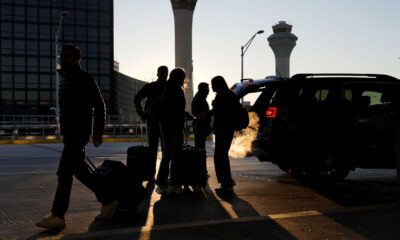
{"points": [[367, 75]]}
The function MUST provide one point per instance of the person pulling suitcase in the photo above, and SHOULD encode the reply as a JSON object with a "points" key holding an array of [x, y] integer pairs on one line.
{"points": [[79, 98]]}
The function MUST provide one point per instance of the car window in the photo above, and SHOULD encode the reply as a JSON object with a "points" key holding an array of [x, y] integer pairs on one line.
{"points": [[264, 98]]}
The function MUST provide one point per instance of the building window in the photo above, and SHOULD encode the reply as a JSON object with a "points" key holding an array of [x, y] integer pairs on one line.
{"points": [[6, 12], [19, 47], [104, 50], [32, 14], [6, 29], [44, 81], [92, 4], [93, 34], [6, 63], [92, 18], [32, 97], [104, 35], [93, 66], [45, 48], [6, 80], [69, 32], [32, 47], [105, 66], [6, 95], [6, 46], [19, 30], [32, 81], [19, 64], [104, 4], [81, 17], [32, 30], [19, 13], [32, 64], [81, 33], [19, 80], [93, 51], [45, 64], [44, 15], [44, 31]]}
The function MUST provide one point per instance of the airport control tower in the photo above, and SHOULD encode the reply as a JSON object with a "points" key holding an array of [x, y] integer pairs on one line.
{"points": [[183, 15], [282, 42]]}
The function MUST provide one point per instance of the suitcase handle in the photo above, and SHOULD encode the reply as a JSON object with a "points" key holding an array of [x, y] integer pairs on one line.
{"points": [[92, 167]]}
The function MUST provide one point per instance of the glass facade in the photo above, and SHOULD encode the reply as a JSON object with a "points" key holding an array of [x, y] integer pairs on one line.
{"points": [[27, 50], [126, 89]]}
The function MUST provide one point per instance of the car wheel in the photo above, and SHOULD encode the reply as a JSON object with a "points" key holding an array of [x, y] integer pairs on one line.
{"points": [[326, 167]]}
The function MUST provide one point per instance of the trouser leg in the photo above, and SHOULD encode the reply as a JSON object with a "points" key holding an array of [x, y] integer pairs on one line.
{"points": [[153, 134], [163, 170], [176, 148], [223, 140], [64, 173]]}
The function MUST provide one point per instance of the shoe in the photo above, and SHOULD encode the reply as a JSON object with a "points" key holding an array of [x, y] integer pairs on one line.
{"points": [[107, 211], [51, 221], [174, 189], [161, 189]]}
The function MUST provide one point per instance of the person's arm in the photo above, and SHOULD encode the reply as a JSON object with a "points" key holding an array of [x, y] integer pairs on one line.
{"points": [[139, 97], [99, 113]]}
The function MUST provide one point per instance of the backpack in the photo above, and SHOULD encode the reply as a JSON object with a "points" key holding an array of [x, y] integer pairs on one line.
{"points": [[241, 118]]}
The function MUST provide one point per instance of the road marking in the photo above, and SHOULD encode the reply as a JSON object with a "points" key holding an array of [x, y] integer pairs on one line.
{"points": [[146, 229]]}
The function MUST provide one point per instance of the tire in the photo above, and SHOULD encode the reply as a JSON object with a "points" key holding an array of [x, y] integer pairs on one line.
{"points": [[326, 167]]}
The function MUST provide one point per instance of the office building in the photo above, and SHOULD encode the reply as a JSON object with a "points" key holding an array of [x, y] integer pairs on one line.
{"points": [[27, 50], [126, 88]]}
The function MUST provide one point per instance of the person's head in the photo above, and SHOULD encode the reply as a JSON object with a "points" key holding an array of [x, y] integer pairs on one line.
{"points": [[70, 55], [162, 73], [203, 88], [177, 77], [218, 84]]}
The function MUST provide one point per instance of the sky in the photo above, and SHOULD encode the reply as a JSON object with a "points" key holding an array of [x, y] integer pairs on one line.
{"points": [[341, 36]]}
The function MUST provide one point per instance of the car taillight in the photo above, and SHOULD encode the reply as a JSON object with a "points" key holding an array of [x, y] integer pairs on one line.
{"points": [[271, 112]]}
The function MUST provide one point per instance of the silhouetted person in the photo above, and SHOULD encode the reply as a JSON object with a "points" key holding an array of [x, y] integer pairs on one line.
{"points": [[224, 107], [172, 119], [80, 103], [152, 93], [200, 110]]}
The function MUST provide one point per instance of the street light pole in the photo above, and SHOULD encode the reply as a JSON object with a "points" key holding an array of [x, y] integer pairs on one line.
{"points": [[57, 34], [245, 47], [243, 51]]}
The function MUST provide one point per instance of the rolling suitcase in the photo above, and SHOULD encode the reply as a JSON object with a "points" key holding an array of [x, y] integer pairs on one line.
{"points": [[114, 178], [139, 164], [192, 166]]}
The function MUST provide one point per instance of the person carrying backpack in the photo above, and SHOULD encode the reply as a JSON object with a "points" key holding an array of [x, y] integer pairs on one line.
{"points": [[150, 114], [225, 107]]}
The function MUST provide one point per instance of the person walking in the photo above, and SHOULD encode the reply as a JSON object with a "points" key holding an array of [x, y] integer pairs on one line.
{"points": [[172, 119], [200, 110], [80, 103], [224, 106], [151, 92]]}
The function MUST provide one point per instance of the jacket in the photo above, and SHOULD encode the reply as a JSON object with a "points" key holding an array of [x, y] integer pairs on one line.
{"points": [[82, 108]]}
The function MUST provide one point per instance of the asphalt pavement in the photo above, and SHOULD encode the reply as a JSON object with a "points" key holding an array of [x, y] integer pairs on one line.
{"points": [[267, 204]]}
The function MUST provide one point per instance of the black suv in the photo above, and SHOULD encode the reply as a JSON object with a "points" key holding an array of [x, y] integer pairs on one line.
{"points": [[324, 125]]}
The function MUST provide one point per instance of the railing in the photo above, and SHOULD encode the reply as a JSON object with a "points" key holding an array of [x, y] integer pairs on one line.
{"points": [[44, 127]]}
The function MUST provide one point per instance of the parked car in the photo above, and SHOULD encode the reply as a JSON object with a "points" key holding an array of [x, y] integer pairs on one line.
{"points": [[321, 126]]}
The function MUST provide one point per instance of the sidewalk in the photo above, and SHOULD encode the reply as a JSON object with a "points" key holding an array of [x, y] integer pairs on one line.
{"points": [[257, 211]]}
